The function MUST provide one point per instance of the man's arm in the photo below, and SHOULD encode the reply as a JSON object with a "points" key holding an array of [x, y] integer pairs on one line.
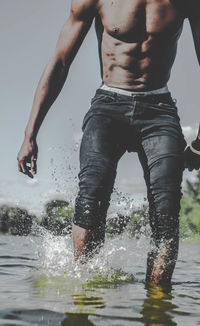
{"points": [[54, 76], [192, 153]]}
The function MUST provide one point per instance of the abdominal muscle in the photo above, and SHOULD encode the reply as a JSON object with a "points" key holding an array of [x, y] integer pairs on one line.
{"points": [[137, 66], [138, 42]]}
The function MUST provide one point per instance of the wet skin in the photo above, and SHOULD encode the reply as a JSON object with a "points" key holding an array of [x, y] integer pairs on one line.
{"points": [[138, 42], [137, 47]]}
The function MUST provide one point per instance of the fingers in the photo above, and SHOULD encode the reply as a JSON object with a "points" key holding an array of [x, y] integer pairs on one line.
{"points": [[192, 167], [27, 166], [19, 167], [33, 165], [196, 167], [191, 160], [188, 166], [24, 166], [27, 157]]}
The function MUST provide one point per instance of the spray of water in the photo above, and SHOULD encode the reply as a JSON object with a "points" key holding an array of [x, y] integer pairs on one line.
{"points": [[113, 264]]}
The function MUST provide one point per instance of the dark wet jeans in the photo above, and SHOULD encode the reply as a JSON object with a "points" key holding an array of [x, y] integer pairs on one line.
{"points": [[146, 124]]}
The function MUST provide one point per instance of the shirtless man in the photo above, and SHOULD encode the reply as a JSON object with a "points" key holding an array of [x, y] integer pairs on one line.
{"points": [[133, 110]]}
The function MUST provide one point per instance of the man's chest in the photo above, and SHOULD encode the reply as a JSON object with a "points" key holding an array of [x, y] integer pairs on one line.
{"points": [[133, 18]]}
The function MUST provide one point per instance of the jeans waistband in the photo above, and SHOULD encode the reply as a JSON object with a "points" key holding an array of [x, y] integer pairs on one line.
{"points": [[162, 90], [147, 98]]}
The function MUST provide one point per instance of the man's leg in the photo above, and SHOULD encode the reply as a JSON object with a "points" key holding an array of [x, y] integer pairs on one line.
{"points": [[101, 148], [162, 161]]}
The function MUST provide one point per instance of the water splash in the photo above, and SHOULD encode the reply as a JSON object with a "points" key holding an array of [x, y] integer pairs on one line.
{"points": [[112, 265]]}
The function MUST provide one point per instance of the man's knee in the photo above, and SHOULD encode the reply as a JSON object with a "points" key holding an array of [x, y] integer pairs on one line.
{"points": [[86, 211], [97, 179], [92, 202], [165, 198], [95, 188], [165, 227], [89, 213], [164, 213]]}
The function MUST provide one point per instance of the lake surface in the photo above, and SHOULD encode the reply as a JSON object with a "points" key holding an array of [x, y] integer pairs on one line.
{"points": [[41, 285]]}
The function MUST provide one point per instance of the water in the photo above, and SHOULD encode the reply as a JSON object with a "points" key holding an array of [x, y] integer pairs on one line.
{"points": [[41, 285]]}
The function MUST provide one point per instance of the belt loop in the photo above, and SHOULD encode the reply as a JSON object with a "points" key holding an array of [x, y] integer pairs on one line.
{"points": [[134, 97]]}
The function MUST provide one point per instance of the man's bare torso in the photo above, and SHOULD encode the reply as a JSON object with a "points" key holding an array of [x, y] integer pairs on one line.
{"points": [[137, 42]]}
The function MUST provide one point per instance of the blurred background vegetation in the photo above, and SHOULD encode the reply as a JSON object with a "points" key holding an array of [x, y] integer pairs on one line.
{"points": [[57, 217]]}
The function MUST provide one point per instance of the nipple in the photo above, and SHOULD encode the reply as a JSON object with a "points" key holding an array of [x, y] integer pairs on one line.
{"points": [[115, 30]]}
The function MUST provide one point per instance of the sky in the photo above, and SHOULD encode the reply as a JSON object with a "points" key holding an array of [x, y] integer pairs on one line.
{"points": [[28, 34]]}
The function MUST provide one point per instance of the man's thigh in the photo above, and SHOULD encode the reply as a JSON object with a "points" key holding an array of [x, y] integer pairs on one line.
{"points": [[102, 140], [162, 160], [100, 150]]}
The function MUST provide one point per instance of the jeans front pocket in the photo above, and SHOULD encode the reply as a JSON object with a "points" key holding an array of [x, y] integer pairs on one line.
{"points": [[100, 97]]}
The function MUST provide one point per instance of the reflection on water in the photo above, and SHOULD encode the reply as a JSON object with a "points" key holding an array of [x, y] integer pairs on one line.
{"points": [[76, 320], [158, 308], [84, 300], [42, 285], [83, 297]]}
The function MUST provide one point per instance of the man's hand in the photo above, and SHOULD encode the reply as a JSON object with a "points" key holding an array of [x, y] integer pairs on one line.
{"points": [[27, 157], [192, 156]]}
